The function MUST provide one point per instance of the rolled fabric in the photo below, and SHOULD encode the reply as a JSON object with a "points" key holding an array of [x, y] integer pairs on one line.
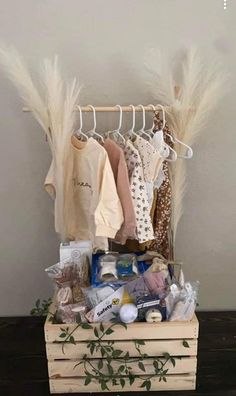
{"points": [[64, 296]]}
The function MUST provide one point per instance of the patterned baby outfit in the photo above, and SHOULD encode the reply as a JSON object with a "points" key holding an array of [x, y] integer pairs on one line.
{"points": [[162, 213], [138, 193], [152, 164]]}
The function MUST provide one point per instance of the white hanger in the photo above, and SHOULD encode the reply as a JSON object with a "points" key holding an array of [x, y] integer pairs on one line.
{"points": [[174, 139], [142, 132], [189, 151], [167, 149], [131, 132], [79, 131], [116, 132], [93, 130], [150, 131]]}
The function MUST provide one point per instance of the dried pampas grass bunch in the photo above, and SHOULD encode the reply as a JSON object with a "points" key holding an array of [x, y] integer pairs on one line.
{"points": [[187, 110], [52, 101]]}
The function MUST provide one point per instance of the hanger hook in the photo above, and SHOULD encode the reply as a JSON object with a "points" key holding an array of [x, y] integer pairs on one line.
{"points": [[80, 118], [133, 119], [163, 115], [143, 110], [94, 117], [120, 119]]}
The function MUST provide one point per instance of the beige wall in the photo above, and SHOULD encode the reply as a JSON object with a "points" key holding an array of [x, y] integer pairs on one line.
{"points": [[104, 43]]}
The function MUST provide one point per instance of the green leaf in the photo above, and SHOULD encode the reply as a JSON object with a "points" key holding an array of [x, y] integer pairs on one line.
{"points": [[122, 382], [63, 330], [114, 382], [121, 368], [100, 364], [143, 384], [86, 326], [156, 365], [140, 342], [166, 355], [72, 340], [148, 385], [78, 318], [141, 366], [131, 380], [101, 327], [164, 379], [37, 303], [126, 355], [87, 380], [186, 344], [116, 353], [96, 332], [109, 331], [103, 384], [110, 369], [92, 347], [164, 372], [172, 361], [62, 335]]}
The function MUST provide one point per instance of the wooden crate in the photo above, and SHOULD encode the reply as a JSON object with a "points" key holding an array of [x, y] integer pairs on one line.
{"points": [[166, 337]]}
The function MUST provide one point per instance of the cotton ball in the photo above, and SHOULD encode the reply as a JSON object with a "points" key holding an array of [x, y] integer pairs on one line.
{"points": [[128, 313]]}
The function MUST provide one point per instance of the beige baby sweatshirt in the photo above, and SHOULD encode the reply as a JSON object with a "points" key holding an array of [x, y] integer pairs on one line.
{"points": [[92, 206], [120, 171]]}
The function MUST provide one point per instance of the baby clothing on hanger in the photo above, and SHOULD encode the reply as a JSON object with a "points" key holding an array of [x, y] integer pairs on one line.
{"points": [[158, 143], [162, 213], [119, 168], [138, 193], [152, 164], [92, 206]]}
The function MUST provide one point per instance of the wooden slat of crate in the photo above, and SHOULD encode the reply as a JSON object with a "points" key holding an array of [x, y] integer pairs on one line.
{"points": [[137, 330], [151, 348], [74, 385], [69, 368]]}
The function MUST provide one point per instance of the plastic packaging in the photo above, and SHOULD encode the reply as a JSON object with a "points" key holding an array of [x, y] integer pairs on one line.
{"points": [[127, 266], [93, 296], [72, 313], [114, 269], [155, 282], [145, 303], [103, 312], [69, 273], [64, 296], [137, 288], [185, 305], [107, 268]]}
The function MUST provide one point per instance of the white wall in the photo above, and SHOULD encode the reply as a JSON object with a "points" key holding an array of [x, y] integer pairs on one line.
{"points": [[104, 43]]}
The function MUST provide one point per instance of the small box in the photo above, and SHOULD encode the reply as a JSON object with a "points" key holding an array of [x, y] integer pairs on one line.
{"points": [[75, 249]]}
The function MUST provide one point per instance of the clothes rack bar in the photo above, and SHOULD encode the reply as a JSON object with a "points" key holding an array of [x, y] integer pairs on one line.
{"points": [[110, 109]]}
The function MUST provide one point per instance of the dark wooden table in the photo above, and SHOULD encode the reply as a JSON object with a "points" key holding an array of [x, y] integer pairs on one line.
{"points": [[23, 364]]}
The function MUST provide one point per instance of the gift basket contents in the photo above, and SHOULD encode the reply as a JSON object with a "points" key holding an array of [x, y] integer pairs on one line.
{"points": [[134, 287]]}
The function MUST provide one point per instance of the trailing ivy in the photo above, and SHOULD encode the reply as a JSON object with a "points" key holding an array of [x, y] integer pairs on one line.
{"points": [[114, 368], [41, 308]]}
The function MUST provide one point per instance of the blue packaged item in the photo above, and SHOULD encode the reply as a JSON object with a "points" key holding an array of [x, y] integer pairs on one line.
{"points": [[114, 269], [144, 303]]}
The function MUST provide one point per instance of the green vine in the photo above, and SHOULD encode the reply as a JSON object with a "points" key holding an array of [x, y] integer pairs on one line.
{"points": [[41, 308], [104, 371]]}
